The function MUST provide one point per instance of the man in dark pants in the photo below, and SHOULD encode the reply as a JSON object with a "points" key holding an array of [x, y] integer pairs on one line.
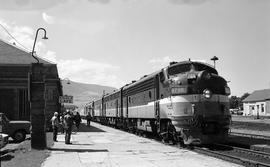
{"points": [[88, 118], [55, 124], [68, 127]]}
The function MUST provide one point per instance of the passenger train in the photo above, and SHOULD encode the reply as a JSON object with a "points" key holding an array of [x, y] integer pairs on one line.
{"points": [[184, 102]]}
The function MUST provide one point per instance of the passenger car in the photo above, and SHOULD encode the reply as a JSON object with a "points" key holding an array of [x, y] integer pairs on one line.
{"points": [[16, 129]]}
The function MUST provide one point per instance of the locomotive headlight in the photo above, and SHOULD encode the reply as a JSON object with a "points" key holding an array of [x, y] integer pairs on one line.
{"points": [[191, 76], [207, 93], [227, 91], [180, 90]]}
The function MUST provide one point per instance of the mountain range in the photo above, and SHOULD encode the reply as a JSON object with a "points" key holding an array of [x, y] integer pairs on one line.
{"points": [[84, 93]]}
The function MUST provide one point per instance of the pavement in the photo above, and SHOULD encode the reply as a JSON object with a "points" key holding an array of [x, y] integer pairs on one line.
{"points": [[101, 146]]}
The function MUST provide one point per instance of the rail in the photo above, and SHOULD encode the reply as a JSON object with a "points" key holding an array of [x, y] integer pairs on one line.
{"points": [[249, 135], [231, 158]]}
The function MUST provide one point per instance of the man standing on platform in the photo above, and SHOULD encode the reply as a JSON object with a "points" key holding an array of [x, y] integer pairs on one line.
{"points": [[68, 122], [55, 124], [88, 118]]}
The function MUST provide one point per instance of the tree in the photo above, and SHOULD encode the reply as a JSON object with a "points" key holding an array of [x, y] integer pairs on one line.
{"points": [[245, 95], [234, 102]]}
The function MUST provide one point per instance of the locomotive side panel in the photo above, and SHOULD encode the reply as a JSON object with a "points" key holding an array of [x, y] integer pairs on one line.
{"points": [[141, 105]]}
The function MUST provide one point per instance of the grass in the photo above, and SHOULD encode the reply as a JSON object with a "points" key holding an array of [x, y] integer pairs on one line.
{"points": [[24, 156]]}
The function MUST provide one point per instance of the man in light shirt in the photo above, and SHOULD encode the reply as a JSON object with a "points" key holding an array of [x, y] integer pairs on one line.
{"points": [[55, 124]]}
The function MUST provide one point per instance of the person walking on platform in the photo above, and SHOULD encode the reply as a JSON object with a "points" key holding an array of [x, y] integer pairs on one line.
{"points": [[77, 120], [68, 122], [88, 118], [55, 124]]}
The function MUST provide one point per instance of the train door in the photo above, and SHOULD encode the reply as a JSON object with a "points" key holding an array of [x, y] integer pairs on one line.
{"points": [[121, 103], [157, 108], [116, 108], [92, 109], [127, 106], [157, 97]]}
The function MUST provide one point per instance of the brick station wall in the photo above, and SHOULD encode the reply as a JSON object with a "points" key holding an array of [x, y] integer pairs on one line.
{"points": [[14, 93]]}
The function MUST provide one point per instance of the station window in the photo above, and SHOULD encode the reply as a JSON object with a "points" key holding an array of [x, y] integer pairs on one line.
{"points": [[129, 100], [150, 95], [262, 107]]}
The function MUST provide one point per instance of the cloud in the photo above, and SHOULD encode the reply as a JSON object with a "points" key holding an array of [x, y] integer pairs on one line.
{"points": [[22, 34], [158, 63], [86, 71], [29, 4], [25, 5], [25, 36], [90, 27], [80, 70], [48, 19], [189, 2]]}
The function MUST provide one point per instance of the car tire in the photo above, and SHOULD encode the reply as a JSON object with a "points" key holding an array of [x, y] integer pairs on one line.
{"points": [[19, 136]]}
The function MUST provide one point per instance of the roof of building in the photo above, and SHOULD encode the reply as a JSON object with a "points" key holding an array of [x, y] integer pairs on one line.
{"points": [[258, 95], [11, 54]]}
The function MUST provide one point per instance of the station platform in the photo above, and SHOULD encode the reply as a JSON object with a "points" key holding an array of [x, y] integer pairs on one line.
{"points": [[101, 146]]}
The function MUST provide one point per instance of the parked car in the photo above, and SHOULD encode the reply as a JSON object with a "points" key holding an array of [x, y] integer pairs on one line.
{"points": [[16, 129], [3, 140]]}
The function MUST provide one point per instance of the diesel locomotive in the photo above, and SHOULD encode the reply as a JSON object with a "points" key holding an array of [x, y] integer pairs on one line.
{"points": [[184, 102]]}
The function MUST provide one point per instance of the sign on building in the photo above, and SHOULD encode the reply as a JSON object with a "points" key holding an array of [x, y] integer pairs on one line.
{"points": [[65, 99]]}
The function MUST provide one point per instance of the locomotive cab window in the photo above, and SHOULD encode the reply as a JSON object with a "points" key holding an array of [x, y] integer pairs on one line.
{"points": [[174, 70], [202, 67], [161, 77]]}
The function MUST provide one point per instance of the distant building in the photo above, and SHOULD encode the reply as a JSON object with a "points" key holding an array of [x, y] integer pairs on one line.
{"points": [[258, 103], [15, 83]]}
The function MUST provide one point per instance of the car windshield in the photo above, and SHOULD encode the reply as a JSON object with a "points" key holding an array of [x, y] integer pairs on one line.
{"points": [[183, 68]]}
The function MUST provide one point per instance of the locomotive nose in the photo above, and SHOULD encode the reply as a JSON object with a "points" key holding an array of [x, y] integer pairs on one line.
{"points": [[208, 83]]}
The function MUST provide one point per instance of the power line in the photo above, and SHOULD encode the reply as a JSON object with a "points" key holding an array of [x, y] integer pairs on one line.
{"points": [[13, 37]]}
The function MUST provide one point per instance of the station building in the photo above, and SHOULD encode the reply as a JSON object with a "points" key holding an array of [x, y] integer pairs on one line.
{"points": [[257, 103], [15, 83]]}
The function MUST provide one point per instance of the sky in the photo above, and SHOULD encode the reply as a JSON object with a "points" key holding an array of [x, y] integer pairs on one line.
{"points": [[112, 42]]}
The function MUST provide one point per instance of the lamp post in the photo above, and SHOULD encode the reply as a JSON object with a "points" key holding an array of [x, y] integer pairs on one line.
{"points": [[37, 89], [45, 37], [215, 58], [67, 79]]}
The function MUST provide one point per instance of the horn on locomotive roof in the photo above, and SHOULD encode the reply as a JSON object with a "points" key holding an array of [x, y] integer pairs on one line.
{"points": [[173, 62]]}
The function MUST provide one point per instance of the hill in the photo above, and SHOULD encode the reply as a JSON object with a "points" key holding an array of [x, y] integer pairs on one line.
{"points": [[83, 93]]}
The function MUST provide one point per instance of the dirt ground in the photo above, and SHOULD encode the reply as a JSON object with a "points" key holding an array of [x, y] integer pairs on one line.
{"points": [[24, 156]]}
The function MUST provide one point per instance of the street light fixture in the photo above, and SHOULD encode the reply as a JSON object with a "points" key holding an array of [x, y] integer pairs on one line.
{"points": [[44, 37], [215, 58], [67, 79]]}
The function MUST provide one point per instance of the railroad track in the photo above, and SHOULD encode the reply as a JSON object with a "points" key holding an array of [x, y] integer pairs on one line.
{"points": [[252, 136], [237, 155]]}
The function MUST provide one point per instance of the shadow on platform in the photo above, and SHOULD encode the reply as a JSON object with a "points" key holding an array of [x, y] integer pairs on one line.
{"points": [[77, 150], [84, 128]]}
